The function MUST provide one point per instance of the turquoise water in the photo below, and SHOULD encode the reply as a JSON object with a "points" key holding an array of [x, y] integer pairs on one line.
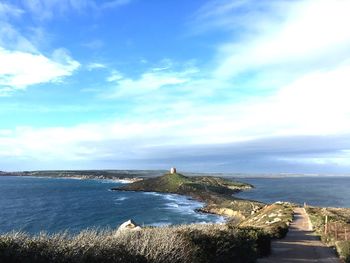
{"points": [[317, 191], [49, 204]]}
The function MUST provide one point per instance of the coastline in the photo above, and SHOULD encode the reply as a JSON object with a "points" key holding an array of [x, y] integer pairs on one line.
{"points": [[125, 180], [66, 175], [202, 210], [216, 193]]}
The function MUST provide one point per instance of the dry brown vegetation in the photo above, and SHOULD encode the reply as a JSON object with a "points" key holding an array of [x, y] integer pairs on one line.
{"points": [[182, 244], [337, 230], [273, 219]]}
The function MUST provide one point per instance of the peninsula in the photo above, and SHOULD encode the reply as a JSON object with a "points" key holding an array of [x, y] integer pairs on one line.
{"points": [[217, 193]]}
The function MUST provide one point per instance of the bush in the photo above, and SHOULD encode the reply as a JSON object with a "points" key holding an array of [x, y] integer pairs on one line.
{"points": [[262, 240], [180, 244], [85, 247], [219, 245], [343, 249], [278, 230]]}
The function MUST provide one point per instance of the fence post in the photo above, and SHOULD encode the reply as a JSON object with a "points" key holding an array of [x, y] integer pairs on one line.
{"points": [[346, 233], [326, 225], [336, 231]]}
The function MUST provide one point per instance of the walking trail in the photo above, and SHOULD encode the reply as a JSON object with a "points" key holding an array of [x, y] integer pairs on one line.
{"points": [[300, 244]]}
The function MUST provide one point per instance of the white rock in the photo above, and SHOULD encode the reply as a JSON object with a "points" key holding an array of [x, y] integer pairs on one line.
{"points": [[275, 220], [129, 225]]}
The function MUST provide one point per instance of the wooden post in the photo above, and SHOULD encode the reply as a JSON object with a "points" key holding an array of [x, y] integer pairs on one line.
{"points": [[345, 234], [336, 231], [326, 225]]}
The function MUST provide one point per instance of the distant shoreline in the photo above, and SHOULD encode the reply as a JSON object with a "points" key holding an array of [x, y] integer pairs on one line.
{"points": [[125, 180], [110, 174], [123, 176]]}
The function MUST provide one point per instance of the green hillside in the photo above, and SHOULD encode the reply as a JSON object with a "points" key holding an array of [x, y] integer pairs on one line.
{"points": [[216, 192]]}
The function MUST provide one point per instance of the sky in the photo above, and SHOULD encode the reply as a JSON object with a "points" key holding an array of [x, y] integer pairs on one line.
{"points": [[251, 86]]}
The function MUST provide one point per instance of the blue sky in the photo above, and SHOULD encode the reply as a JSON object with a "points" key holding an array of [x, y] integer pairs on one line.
{"points": [[222, 86]]}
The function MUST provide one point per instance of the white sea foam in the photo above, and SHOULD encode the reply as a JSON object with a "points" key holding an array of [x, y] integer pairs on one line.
{"points": [[153, 193], [122, 198], [108, 181], [186, 206]]}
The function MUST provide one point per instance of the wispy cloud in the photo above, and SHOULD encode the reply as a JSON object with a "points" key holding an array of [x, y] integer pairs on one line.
{"points": [[95, 65], [9, 11], [94, 44], [301, 39], [114, 3], [115, 76], [11, 39], [48, 9], [147, 82]]}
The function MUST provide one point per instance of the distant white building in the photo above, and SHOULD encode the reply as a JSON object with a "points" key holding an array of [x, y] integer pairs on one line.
{"points": [[173, 170]]}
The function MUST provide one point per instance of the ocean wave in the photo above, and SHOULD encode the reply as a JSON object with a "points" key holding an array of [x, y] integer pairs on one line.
{"points": [[186, 206], [153, 193], [120, 199]]}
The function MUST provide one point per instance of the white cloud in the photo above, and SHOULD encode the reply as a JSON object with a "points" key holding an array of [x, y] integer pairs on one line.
{"points": [[148, 82], [114, 76], [21, 62], [96, 65], [312, 100], [303, 38], [21, 69]]}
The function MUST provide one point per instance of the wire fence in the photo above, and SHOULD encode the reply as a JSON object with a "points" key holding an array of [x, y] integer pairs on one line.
{"points": [[337, 230]]}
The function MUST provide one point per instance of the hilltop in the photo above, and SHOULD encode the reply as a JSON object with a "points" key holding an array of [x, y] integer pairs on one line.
{"points": [[216, 192]]}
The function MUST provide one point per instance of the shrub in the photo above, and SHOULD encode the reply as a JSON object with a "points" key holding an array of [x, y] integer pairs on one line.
{"points": [[343, 249], [222, 245], [262, 240], [177, 244]]}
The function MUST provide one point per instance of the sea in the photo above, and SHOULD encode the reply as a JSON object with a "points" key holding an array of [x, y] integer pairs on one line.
{"points": [[34, 205], [51, 205], [325, 191]]}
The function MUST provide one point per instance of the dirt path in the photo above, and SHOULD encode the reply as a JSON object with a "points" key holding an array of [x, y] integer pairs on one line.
{"points": [[300, 245]]}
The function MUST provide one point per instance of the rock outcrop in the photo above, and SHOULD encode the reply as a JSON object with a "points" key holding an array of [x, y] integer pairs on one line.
{"points": [[129, 225]]}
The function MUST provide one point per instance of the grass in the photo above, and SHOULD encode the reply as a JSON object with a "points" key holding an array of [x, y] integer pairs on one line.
{"points": [[178, 183], [340, 216], [177, 244], [273, 219], [343, 249], [216, 192]]}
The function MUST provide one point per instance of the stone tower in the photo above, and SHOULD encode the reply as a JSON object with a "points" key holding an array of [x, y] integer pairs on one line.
{"points": [[173, 170]]}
